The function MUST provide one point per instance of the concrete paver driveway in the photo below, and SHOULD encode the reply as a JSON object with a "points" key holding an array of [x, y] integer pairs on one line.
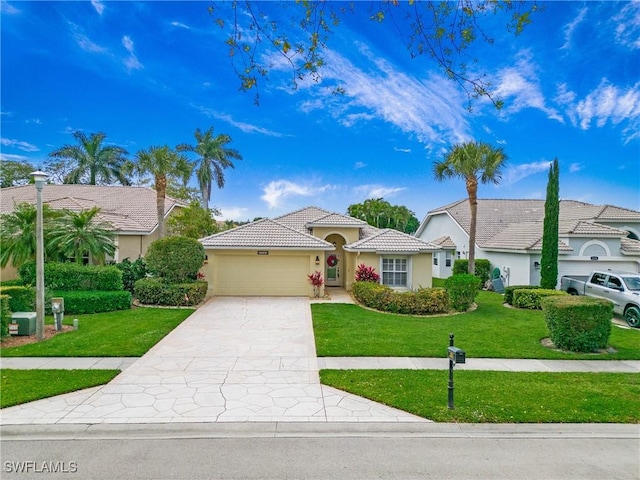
{"points": [[235, 359]]}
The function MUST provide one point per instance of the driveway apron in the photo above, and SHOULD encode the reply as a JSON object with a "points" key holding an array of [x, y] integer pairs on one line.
{"points": [[235, 359]]}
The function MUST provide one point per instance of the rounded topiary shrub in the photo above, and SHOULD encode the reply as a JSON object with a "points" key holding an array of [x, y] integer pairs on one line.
{"points": [[175, 259], [578, 324], [462, 290]]}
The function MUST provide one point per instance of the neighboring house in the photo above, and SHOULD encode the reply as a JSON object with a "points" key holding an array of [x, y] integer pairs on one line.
{"points": [[273, 257], [509, 235], [130, 210]]}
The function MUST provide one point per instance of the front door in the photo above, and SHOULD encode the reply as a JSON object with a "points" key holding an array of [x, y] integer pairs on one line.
{"points": [[333, 269]]}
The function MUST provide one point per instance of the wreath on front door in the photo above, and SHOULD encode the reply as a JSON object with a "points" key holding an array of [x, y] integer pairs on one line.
{"points": [[332, 260]]}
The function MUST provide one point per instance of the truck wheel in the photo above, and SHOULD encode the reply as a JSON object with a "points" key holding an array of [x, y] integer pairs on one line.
{"points": [[571, 291], [632, 316]]}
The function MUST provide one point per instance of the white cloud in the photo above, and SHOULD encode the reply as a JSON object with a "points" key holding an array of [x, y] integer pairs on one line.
{"points": [[279, 190], [575, 167], [98, 5], [37, 121], [359, 165], [627, 25], [403, 150], [515, 174], [570, 28], [8, 9], [131, 62], [9, 157], [232, 213], [245, 127], [377, 191], [20, 145], [84, 42], [180, 25]]}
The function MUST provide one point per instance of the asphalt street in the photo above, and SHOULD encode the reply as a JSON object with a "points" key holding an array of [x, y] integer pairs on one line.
{"points": [[296, 451]]}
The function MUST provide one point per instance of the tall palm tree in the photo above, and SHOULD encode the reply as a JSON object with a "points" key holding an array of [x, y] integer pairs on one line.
{"points": [[92, 162], [75, 234], [473, 162], [164, 164], [18, 234], [214, 158]]}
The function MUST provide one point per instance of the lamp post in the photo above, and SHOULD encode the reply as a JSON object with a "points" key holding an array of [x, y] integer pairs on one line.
{"points": [[39, 179]]}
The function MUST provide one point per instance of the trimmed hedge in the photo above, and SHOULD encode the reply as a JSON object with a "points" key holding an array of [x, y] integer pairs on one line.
{"points": [[74, 277], [5, 315], [176, 259], [425, 301], [531, 298], [156, 291], [462, 290], [482, 268], [21, 299], [578, 323], [16, 282], [508, 291], [94, 301]]}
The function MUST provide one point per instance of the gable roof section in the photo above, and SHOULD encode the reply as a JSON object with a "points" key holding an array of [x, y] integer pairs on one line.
{"points": [[128, 209], [391, 241], [337, 220], [265, 233], [630, 246], [521, 236], [444, 242], [299, 219]]}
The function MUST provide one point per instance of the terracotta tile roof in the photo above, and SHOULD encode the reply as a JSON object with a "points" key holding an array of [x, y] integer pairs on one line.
{"points": [[521, 236], [589, 228], [265, 233], [391, 241], [337, 220], [299, 219], [444, 242], [630, 246], [128, 209]]}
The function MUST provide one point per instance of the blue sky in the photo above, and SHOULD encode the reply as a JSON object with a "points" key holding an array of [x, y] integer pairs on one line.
{"points": [[150, 73]]}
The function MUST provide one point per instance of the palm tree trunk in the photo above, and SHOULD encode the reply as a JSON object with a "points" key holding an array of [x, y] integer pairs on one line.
{"points": [[161, 190], [472, 190]]}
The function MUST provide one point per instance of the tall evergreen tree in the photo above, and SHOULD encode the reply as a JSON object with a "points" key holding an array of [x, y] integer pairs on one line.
{"points": [[549, 261]]}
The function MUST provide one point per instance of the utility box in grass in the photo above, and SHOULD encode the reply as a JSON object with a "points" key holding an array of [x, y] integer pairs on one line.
{"points": [[25, 321]]}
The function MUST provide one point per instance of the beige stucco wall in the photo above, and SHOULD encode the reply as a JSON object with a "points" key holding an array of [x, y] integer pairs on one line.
{"points": [[421, 274], [351, 235], [8, 273], [264, 280], [134, 246]]}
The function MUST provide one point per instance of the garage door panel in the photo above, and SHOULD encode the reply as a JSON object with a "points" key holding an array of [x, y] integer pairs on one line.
{"points": [[239, 275]]}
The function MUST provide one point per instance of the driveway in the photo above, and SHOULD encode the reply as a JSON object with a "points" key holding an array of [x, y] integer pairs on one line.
{"points": [[235, 359]]}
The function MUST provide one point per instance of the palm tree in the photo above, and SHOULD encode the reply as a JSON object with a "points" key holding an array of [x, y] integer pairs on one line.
{"points": [[91, 162], [75, 234], [472, 162], [18, 234], [214, 158], [164, 164]]}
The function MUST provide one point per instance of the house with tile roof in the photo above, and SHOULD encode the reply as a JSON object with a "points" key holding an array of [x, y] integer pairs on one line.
{"points": [[509, 235], [130, 210], [273, 257]]}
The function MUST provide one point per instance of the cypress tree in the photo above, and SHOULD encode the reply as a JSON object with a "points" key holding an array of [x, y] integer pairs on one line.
{"points": [[549, 261]]}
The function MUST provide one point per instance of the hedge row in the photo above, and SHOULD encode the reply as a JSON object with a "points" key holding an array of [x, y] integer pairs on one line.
{"points": [[94, 301], [5, 315], [156, 291], [508, 291], [74, 277], [531, 298], [425, 301], [21, 299], [482, 268], [578, 324]]}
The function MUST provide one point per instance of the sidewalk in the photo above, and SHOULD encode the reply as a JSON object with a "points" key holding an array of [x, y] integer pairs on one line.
{"points": [[356, 363]]}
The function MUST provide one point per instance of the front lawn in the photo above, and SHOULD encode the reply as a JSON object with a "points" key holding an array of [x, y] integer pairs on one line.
{"points": [[124, 333], [491, 331], [499, 397], [21, 386]]}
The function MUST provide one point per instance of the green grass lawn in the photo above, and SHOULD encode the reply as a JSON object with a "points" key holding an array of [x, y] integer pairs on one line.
{"points": [[21, 386], [499, 397], [491, 331], [125, 333]]}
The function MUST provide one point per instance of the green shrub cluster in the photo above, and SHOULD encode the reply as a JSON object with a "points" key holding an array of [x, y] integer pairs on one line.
{"points": [[96, 301], [482, 268], [462, 290], [74, 277], [531, 298], [132, 272], [425, 301], [5, 315], [157, 291], [578, 324], [16, 282], [21, 299], [176, 259], [508, 291]]}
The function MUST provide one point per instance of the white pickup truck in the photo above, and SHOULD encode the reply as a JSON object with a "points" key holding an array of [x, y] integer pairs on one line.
{"points": [[621, 288]]}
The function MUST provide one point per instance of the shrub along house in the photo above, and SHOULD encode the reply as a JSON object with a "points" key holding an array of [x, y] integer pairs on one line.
{"points": [[273, 257], [130, 210], [509, 235]]}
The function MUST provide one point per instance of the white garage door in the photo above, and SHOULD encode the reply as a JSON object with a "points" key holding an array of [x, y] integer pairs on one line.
{"points": [[254, 275]]}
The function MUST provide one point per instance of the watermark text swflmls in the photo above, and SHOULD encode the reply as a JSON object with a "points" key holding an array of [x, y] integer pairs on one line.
{"points": [[32, 466]]}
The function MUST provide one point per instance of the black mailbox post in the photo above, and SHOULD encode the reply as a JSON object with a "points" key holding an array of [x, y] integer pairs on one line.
{"points": [[455, 355]]}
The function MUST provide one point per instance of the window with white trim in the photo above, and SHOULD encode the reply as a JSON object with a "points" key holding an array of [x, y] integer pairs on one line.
{"points": [[447, 258], [435, 258], [394, 272]]}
